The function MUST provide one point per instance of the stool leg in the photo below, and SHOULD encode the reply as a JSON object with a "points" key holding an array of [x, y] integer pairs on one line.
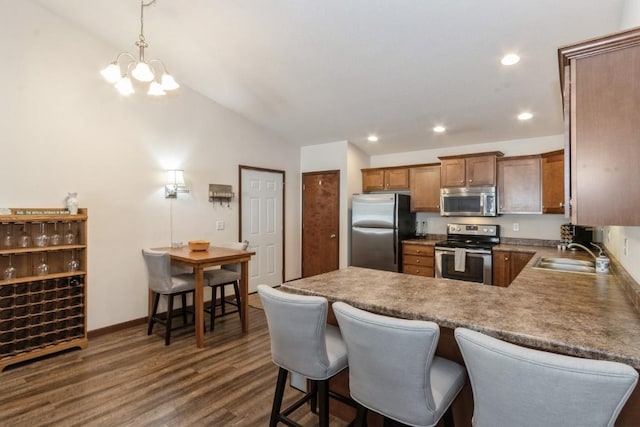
{"points": [[184, 308], [314, 396], [361, 416], [214, 296], [167, 336], [236, 289], [277, 398], [154, 310], [323, 397], [222, 299], [447, 418]]}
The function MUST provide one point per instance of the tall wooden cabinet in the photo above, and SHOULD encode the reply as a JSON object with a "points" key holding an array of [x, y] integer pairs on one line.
{"points": [[424, 182], [43, 284], [469, 170], [601, 89]]}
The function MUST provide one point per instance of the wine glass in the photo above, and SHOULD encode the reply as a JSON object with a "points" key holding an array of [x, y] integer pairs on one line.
{"points": [[55, 239], [41, 239], [42, 269], [69, 236], [24, 240], [10, 271], [73, 264], [8, 240]]}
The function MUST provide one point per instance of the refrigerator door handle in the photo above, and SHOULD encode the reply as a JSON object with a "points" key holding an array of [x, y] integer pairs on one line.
{"points": [[395, 246]]}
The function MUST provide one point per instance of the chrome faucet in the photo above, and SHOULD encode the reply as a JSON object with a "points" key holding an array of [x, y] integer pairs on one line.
{"points": [[573, 245]]}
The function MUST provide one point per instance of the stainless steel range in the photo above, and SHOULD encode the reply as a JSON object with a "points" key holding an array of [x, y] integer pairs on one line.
{"points": [[466, 254]]}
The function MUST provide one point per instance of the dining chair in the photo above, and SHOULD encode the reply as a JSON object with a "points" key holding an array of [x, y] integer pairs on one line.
{"points": [[518, 386], [393, 369], [162, 282], [219, 278], [303, 343]]}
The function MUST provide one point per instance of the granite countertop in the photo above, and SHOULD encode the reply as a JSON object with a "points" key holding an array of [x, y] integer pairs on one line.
{"points": [[586, 315]]}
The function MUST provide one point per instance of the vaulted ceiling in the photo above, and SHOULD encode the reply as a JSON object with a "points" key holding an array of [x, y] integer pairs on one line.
{"points": [[332, 70]]}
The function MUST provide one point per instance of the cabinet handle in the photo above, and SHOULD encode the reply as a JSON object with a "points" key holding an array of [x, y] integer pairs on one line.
{"points": [[417, 261], [561, 204], [333, 236], [506, 258], [470, 180], [462, 181]]}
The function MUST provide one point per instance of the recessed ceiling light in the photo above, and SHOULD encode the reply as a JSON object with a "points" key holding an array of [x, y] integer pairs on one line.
{"points": [[439, 129], [510, 59], [372, 138], [525, 116]]}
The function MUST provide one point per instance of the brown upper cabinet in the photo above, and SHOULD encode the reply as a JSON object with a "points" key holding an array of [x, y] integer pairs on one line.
{"points": [[382, 179], [469, 170], [425, 188], [519, 185], [600, 82], [553, 182]]}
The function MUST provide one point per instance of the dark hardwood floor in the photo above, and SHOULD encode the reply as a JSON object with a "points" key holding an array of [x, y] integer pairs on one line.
{"points": [[127, 378]]}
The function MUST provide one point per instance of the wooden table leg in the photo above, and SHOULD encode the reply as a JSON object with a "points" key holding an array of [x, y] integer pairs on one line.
{"points": [[199, 306], [244, 295]]}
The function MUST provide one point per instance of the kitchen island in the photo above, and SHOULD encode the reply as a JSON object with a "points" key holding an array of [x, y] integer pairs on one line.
{"points": [[584, 315]]}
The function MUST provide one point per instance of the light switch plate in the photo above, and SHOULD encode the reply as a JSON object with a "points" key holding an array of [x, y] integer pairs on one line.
{"points": [[219, 225]]}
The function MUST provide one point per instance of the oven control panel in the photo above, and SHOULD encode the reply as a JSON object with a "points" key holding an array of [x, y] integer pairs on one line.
{"points": [[473, 229]]}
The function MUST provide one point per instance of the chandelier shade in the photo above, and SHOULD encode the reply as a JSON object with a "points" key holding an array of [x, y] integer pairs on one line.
{"points": [[126, 65]]}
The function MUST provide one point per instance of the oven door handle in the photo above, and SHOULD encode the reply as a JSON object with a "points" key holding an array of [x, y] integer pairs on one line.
{"points": [[468, 251]]}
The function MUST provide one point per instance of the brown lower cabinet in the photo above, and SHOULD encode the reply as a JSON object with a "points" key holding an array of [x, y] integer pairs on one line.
{"points": [[418, 259], [507, 265]]}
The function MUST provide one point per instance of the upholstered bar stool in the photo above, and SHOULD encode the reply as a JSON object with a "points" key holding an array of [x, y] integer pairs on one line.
{"points": [[219, 278], [517, 386], [162, 282], [393, 369], [302, 342]]}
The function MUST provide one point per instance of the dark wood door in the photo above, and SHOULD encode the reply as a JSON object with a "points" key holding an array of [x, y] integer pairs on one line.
{"points": [[320, 222]]}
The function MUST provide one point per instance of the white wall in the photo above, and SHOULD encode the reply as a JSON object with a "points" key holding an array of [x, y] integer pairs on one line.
{"points": [[62, 128]]}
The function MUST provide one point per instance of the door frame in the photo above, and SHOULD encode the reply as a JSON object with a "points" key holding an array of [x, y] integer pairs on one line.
{"points": [[337, 213], [259, 169]]}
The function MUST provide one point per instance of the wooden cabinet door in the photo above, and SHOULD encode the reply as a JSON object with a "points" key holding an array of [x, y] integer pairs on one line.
{"points": [[396, 179], [501, 268], [480, 170], [519, 185], [604, 129], [424, 183], [517, 261], [452, 173], [373, 180], [553, 182]]}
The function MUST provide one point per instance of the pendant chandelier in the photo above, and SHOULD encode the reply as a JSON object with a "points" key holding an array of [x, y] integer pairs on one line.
{"points": [[126, 65]]}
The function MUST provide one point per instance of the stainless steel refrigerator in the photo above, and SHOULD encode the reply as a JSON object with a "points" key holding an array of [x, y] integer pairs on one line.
{"points": [[379, 222]]}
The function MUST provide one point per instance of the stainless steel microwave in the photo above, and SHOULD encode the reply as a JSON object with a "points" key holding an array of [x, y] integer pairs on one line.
{"points": [[468, 201]]}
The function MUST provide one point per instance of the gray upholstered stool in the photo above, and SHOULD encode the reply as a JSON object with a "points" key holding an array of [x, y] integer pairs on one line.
{"points": [[162, 282], [219, 278], [393, 370], [302, 342], [517, 386]]}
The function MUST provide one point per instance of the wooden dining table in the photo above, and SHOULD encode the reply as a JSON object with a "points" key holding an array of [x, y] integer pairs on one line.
{"points": [[214, 256]]}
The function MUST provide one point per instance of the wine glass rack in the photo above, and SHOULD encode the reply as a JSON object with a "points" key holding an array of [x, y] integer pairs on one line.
{"points": [[41, 313]]}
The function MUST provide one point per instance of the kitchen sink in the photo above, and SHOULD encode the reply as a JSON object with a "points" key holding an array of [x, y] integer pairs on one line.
{"points": [[566, 264]]}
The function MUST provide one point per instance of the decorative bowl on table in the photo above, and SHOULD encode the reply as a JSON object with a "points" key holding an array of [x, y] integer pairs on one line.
{"points": [[198, 245]]}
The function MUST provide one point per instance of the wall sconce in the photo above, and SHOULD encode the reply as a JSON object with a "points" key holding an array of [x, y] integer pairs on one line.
{"points": [[175, 184]]}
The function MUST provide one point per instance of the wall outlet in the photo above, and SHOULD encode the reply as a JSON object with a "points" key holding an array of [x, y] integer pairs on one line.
{"points": [[516, 226], [219, 225]]}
